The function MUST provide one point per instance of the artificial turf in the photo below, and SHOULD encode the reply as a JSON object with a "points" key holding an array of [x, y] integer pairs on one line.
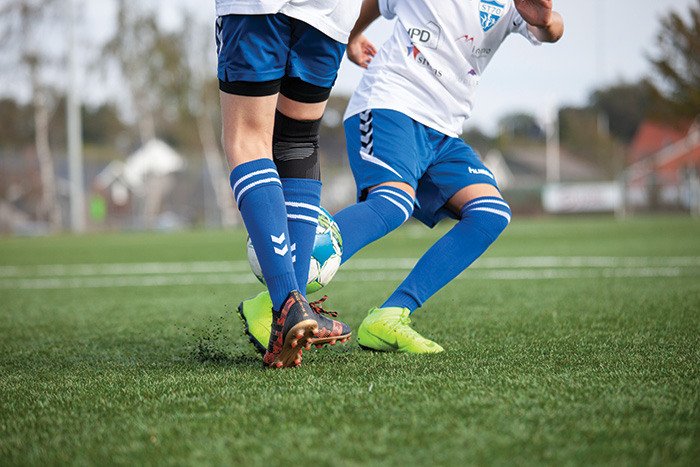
{"points": [[596, 363]]}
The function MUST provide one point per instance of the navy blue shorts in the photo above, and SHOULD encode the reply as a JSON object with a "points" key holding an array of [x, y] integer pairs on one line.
{"points": [[258, 48], [388, 146]]}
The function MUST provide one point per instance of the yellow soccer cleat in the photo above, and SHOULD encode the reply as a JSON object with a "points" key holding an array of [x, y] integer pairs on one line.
{"points": [[256, 313], [388, 329]]}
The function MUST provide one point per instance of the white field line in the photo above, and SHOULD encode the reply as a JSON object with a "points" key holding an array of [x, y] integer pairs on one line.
{"points": [[116, 269], [385, 264], [539, 262], [360, 270], [127, 281]]}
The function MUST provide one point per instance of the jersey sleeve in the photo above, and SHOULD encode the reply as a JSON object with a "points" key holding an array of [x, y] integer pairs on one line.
{"points": [[386, 8], [519, 25]]}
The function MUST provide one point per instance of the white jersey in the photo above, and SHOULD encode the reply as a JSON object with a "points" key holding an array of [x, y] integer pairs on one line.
{"points": [[430, 67], [334, 18]]}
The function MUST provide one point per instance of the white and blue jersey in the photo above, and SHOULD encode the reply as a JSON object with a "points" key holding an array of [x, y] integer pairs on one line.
{"points": [[429, 69], [404, 119]]}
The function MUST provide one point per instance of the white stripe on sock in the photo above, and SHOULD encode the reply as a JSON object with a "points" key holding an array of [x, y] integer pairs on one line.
{"points": [[490, 200], [295, 204], [254, 184], [253, 174], [313, 220], [494, 211], [403, 196]]}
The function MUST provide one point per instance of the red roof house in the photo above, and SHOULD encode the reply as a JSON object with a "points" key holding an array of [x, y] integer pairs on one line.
{"points": [[664, 153]]}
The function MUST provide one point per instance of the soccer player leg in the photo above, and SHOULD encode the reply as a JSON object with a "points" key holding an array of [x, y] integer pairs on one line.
{"points": [[386, 208], [249, 84], [311, 70], [458, 185], [383, 150], [258, 192], [248, 102], [295, 152], [482, 218], [483, 215]]}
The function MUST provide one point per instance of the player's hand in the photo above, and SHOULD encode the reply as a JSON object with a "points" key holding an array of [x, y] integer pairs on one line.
{"points": [[360, 50], [537, 13]]}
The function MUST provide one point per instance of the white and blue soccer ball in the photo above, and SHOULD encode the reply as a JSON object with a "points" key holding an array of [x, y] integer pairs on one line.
{"points": [[325, 258]]}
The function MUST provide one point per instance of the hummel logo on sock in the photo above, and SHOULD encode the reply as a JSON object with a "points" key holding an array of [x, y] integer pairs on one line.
{"points": [[279, 241]]}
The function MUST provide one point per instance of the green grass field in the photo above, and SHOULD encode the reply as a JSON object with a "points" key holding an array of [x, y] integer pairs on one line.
{"points": [[571, 342]]}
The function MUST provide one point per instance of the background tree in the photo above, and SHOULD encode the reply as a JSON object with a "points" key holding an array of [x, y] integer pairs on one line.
{"points": [[622, 107], [479, 141], [15, 124], [520, 125], [101, 125], [676, 83], [199, 105], [28, 29], [148, 61], [584, 132]]}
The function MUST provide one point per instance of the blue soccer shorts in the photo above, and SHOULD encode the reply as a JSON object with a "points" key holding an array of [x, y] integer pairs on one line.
{"points": [[388, 146], [259, 48]]}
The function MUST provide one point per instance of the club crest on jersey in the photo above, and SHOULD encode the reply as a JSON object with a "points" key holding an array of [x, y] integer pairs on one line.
{"points": [[490, 12]]}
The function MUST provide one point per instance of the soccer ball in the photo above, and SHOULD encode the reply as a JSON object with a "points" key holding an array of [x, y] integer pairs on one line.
{"points": [[325, 258]]}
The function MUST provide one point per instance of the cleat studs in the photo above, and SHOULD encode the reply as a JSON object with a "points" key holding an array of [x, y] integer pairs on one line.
{"points": [[294, 344], [279, 364], [332, 342], [318, 346]]}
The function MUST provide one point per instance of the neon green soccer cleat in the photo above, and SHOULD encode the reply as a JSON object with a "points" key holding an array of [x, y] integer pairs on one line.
{"points": [[256, 313], [388, 329]]}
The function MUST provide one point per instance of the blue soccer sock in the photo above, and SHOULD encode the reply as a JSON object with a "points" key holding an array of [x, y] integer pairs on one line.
{"points": [[384, 210], [302, 198], [483, 219], [258, 192]]}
